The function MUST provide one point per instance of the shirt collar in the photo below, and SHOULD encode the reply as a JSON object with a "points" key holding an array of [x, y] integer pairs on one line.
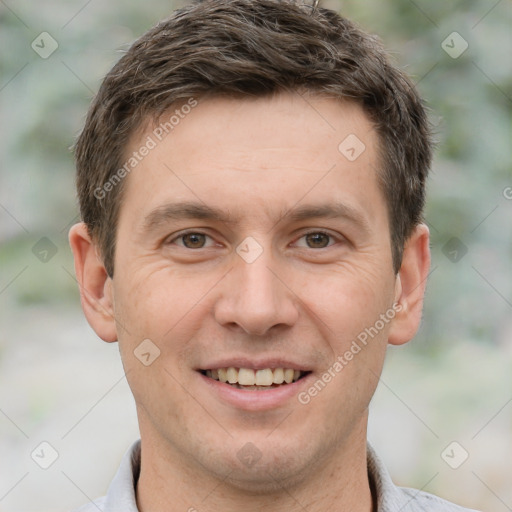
{"points": [[121, 493], [388, 496]]}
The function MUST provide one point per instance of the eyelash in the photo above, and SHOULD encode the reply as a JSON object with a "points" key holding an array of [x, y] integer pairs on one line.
{"points": [[190, 232]]}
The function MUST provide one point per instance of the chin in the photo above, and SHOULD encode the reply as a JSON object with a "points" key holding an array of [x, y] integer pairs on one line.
{"points": [[265, 480], [268, 471]]}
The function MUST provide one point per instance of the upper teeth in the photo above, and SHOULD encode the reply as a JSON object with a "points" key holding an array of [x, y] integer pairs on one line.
{"points": [[250, 377]]}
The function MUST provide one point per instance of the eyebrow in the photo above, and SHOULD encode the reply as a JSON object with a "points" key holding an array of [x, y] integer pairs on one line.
{"points": [[193, 210], [182, 211], [329, 211]]}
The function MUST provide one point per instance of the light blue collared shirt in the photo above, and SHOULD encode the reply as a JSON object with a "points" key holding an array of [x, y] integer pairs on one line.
{"points": [[390, 498]]}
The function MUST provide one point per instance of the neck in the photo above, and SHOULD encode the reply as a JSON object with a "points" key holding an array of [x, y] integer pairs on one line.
{"points": [[337, 482]]}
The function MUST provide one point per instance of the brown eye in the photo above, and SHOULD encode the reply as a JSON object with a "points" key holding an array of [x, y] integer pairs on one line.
{"points": [[193, 240], [317, 240]]}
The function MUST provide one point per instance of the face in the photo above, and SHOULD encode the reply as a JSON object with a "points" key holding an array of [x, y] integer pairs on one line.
{"points": [[248, 239]]}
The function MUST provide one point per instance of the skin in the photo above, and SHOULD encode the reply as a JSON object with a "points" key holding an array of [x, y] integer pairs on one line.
{"points": [[303, 298]]}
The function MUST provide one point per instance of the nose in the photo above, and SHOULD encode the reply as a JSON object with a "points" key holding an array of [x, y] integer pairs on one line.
{"points": [[256, 296]]}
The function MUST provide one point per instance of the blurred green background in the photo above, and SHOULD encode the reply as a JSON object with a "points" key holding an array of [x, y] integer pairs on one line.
{"points": [[452, 383]]}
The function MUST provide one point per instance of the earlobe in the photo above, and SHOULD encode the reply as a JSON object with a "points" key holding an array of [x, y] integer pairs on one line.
{"points": [[410, 286], [96, 292]]}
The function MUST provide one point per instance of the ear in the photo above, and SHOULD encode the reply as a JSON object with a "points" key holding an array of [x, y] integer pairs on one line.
{"points": [[95, 285], [411, 282]]}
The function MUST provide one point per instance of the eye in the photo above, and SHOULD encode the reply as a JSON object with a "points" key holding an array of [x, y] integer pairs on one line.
{"points": [[191, 240], [316, 239]]}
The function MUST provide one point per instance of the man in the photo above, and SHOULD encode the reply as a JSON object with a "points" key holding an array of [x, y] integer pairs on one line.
{"points": [[251, 178]]}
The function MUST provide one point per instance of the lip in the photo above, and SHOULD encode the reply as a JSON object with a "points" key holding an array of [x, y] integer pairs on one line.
{"points": [[254, 364], [248, 400]]}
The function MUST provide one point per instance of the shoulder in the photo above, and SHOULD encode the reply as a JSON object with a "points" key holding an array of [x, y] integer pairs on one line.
{"points": [[92, 506], [391, 498], [121, 491], [419, 501]]}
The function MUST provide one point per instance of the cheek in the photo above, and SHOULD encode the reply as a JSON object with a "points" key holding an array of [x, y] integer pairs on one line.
{"points": [[348, 312], [347, 305], [159, 317], [164, 306], [149, 299], [348, 298]]}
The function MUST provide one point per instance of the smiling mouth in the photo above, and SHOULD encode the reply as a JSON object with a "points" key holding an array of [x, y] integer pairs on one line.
{"points": [[255, 380]]}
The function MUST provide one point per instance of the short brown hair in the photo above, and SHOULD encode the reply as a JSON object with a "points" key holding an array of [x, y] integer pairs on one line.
{"points": [[254, 48]]}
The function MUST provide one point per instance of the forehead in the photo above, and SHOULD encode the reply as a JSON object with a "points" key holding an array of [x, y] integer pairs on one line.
{"points": [[286, 119], [262, 151]]}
